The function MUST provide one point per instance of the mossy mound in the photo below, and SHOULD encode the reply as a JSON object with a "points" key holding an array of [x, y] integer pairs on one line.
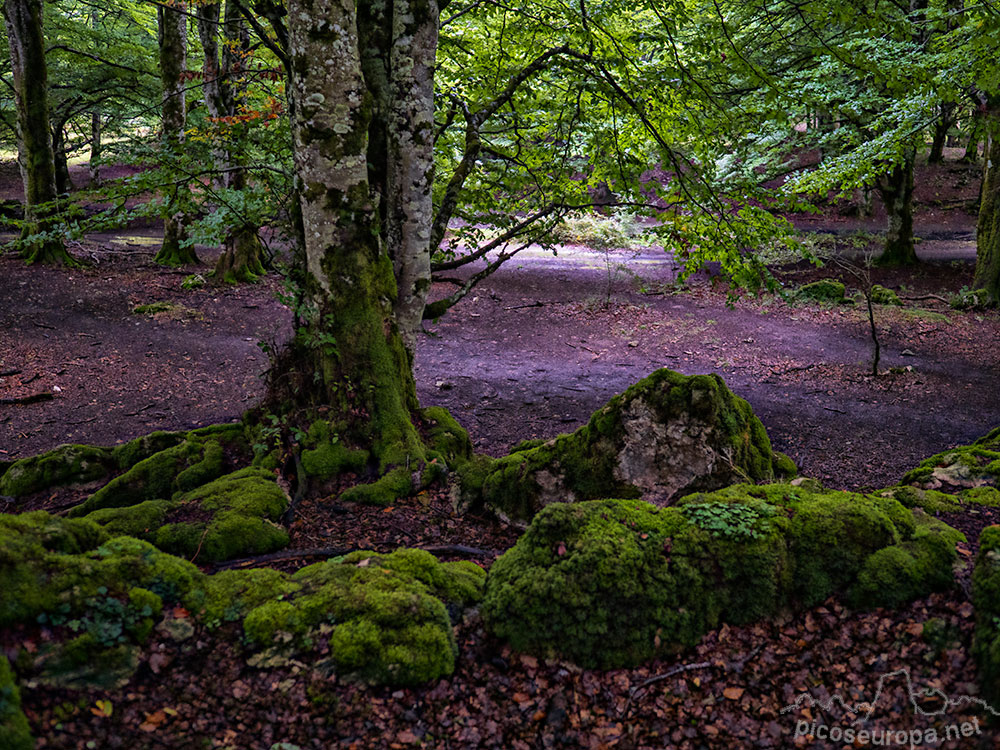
{"points": [[934, 502], [986, 598], [610, 583], [824, 290], [385, 617], [72, 464], [203, 455], [882, 296], [665, 436], [957, 469], [233, 516], [14, 731]]}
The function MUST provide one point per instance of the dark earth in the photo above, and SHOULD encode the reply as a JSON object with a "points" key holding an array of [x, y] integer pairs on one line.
{"points": [[536, 349]]}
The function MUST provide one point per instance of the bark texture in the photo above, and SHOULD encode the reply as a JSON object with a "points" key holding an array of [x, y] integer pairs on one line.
{"points": [[988, 228], [23, 19], [349, 350], [896, 190], [172, 30]]}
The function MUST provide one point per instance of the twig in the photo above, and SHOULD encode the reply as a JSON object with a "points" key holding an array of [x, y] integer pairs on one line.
{"points": [[32, 399], [521, 307], [439, 549], [838, 411], [925, 296], [660, 678], [200, 542], [7, 373], [42, 325]]}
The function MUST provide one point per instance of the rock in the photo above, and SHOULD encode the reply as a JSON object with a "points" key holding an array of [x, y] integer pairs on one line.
{"points": [[666, 436], [882, 296], [611, 583], [961, 468], [824, 290]]}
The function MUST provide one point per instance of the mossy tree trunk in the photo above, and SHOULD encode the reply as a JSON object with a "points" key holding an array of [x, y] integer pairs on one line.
{"points": [[896, 191], [23, 19], [350, 357], [172, 35], [971, 155], [988, 228], [946, 118], [64, 183], [242, 255]]}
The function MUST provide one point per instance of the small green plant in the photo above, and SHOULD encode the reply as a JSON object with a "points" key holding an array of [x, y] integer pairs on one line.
{"points": [[731, 521]]}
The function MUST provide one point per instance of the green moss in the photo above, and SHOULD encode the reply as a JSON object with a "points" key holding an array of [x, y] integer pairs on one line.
{"points": [[824, 290], [986, 599], [331, 459], [609, 583], [963, 467], [14, 731], [446, 436], [664, 436], [230, 594], [385, 490], [882, 296], [931, 501], [971, 299], [233, 516], [200, 458], [129, 454], [783, 466], [67, 464], [84, 663], [266, 622]]}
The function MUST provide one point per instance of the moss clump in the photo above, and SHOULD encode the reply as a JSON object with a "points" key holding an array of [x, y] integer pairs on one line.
{"points": [[971, 299], [667, 435], [610, 583], [200, 458], [14, 731], [964, 467], [233, 516], [882, 296], [67, 464], [129, 454], [445, 436], [986, 599], [84, 662], [824, 290]]}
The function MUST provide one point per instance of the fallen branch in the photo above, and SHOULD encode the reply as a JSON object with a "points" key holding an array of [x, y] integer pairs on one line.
{"points": [[521, 307], [438, 549], [8, 373], [920, 297], [34, 398]]}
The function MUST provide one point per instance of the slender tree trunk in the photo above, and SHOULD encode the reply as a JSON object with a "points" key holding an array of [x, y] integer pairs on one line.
{"points": [[971, 155], [95, 148], [64, 183], [896, 190], [349, 354], [946, 119], [23, 19], [988, 228], [172, 31]]}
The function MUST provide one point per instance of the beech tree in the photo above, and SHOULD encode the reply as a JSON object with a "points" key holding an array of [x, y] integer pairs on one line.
{"points": [[172, 36], [23, 19]]}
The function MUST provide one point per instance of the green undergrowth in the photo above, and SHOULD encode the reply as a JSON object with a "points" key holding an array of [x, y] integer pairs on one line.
{"points": [[233, 516], [667, 435], [380, 618], [14, 731], [611, 583]]}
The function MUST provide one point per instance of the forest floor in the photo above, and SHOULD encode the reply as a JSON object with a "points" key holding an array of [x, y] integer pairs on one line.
{"points": [[532, 353]]}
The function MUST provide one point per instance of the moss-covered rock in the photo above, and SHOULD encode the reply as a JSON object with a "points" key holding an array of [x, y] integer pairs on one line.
{"points": [[200, 458], [882, 296], [14, 731], [386, 617], [964, 467], [824, 290], [665, 436], [609, 583], [233, 516], [65, 465], [986, 599]]}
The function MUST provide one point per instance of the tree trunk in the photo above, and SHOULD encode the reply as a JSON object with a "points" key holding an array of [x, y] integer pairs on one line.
{"points": [[988, 228], [946, 119], [95, 148], [172, 33], [64, 183], [971, 155], [896, 190], [348, 355], [23, 19], [242, 255]]}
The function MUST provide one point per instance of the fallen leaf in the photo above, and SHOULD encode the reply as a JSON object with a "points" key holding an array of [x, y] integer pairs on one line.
{"points": [[102, 708], [733, 693]]}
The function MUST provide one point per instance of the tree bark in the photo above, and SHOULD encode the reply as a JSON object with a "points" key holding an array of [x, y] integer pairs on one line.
{"points": [[23, 19], [971, 155], [896, 191], [946, 119], [172, 36], [349, 356], [64, 183], [988, 227], [95, 148]]}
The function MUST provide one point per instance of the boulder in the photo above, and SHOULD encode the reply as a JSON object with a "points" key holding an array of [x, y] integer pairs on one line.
{"points": [[963, 468], [611, 583], [666, 436]]}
